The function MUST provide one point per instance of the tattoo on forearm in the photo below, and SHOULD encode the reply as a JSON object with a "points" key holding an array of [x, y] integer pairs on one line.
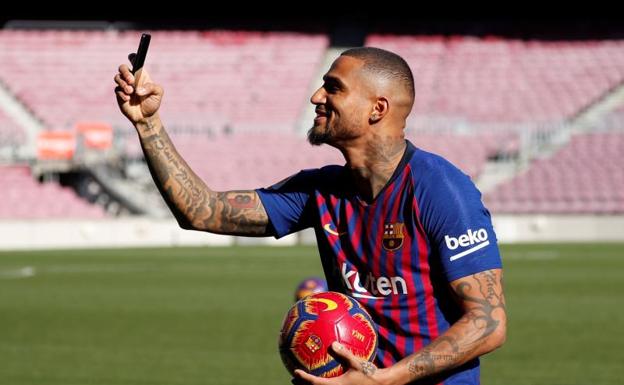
{"points": [[233, 212], [368, 368], [458, 345]]}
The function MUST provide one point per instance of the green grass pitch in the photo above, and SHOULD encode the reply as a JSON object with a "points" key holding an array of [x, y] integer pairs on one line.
{"points": [[211, 315]]}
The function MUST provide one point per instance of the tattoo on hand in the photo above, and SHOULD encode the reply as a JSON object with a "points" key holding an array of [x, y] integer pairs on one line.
{"points": [[368, 368]]}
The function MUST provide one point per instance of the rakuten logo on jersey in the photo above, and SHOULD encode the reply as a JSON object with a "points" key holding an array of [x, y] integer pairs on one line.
{"points": [[470, 238], [372, 285]]}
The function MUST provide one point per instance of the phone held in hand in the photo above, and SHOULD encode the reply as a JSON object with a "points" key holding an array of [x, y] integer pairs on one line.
{"points": [[139, 59]]}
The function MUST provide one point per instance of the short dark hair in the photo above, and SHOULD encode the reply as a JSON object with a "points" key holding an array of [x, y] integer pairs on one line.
{"points": [[385, 64]]}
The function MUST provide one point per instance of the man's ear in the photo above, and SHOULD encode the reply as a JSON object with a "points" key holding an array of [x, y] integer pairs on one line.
{"points": [[380, 109]]}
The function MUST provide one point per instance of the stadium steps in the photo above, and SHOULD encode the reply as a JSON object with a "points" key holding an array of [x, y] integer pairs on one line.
{"points": [[131, 194], [20, 114], [587, 120], [590, 119], [495, 173]]}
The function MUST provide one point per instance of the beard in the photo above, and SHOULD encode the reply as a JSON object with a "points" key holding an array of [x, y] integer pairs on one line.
{"points": [[318, 136], [334, 131]]}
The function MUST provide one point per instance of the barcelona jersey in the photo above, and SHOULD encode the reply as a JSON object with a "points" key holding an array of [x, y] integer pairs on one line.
{"points": [[397, 254]]}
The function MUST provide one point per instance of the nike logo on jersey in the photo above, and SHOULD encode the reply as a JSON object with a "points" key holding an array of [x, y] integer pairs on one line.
{"points": [[327, 227], [478, 238]]}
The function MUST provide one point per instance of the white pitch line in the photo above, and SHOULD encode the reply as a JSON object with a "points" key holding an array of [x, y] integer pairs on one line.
{"points": [[24, 272], [29, 271], [92, 269]]}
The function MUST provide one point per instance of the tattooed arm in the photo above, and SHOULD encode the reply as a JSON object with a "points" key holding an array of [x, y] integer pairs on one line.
{"points": [[480, 330], [194, 205]]}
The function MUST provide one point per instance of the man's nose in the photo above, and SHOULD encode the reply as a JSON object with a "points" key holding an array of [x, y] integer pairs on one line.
{"points": [[318, 97]]}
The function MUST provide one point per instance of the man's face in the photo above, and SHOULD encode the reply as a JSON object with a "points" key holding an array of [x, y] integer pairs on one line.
{"points": [[342, 103]]}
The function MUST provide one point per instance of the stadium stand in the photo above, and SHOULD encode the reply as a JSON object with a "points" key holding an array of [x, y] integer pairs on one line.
{"points": [[586, 176], [25, 198], [246, 80], [234, 98], [215, 80], [497, 80]]}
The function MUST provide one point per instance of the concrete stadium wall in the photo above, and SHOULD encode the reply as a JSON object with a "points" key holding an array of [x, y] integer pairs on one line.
{"points": [[559, 228], [136, 232], [146, 232]]}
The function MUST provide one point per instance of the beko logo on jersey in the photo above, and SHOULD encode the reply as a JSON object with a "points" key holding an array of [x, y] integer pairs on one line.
{"points": [[467, 239], [478, 238], [372, 285]]}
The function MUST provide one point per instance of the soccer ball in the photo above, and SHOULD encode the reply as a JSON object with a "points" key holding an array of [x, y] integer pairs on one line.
{"points": [[313, 323], [308, 286]]}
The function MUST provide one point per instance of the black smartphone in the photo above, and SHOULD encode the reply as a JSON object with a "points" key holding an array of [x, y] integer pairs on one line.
{"points": [[139, 59]]}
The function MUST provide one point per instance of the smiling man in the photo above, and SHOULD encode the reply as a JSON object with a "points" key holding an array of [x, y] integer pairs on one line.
{"points": [[400, 229]]}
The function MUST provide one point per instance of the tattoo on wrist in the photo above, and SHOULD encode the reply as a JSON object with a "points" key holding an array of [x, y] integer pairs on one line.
{"points": [[368, 368], [422, 365], [148, 125]]}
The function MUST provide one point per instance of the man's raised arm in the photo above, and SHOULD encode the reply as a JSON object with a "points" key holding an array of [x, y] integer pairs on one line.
{"points": [[193, 204]]}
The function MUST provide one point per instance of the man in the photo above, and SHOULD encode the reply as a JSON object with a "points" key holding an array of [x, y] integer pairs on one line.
{"points": [[400, 229]]}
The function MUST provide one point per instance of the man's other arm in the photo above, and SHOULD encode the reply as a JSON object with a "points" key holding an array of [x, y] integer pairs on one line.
{"points": [[481, 329]]}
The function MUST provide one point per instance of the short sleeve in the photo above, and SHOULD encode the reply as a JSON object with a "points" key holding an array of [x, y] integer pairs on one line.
{"points": [[287, 203], [458, 225]]}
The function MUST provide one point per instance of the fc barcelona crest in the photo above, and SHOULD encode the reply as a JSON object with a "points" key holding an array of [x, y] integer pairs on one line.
{"points": [[392, 236]]}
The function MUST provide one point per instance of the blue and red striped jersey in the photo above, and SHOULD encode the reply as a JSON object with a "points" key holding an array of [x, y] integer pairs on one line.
{"points": [[397, 254]]}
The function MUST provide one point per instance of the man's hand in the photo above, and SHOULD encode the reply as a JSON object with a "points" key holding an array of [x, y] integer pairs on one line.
{"points": [[359, 372], [137, 101]]}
